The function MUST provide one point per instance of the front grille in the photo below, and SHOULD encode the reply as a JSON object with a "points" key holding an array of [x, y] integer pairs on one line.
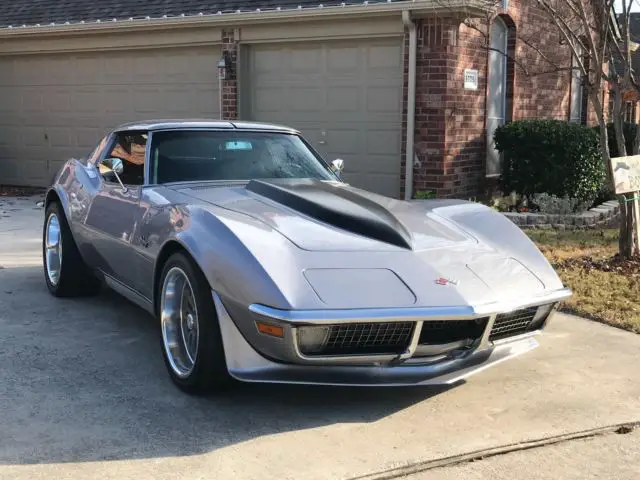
{"points": [[448, 331], [512, 323], [368, 338]]}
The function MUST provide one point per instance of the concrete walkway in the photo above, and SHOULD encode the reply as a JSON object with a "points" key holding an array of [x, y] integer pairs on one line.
{"points": [[84, 394]]}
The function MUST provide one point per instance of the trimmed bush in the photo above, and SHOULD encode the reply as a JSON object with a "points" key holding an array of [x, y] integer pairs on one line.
{"points": [[629, 132], [550, 156]]}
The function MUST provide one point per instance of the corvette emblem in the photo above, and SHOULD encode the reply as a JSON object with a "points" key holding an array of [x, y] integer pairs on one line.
{"points": [[445, 281]]}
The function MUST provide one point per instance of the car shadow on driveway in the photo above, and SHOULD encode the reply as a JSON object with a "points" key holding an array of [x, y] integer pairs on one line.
{"points": [[83, 380]]}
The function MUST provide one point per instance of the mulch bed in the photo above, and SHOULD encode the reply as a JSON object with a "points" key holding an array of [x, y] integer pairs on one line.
{"points": [[617, 264], [15, 191]]}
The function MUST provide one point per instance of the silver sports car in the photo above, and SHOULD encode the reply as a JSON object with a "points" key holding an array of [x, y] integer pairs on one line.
{"points": [[262, 265]]}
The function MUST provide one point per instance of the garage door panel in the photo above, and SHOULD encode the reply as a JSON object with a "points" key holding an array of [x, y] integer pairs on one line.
{"points": [[118, 70], [345, 97], [88, 70], [117, 101], [87, 101], [85, 139], [383, 141], [147, 100], [32, 100], [343, 141], [304, 60], [29, 73], [269, 61], [34, 170], [202, 67], [10, 170], [384, 58], [382, 184], [10, 104], [59, 106], [383, 100], [59, 137], [34, 137], [344, 59], [178, 101], [147, 69], [58, 71], [59, 101], [267, 100], [305, 99]]}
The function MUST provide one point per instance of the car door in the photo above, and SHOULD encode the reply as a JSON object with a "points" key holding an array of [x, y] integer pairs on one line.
{"points": [[111, 218]]}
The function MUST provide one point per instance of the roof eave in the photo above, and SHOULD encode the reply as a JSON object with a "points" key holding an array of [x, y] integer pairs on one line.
{"points": [[417, 7]]}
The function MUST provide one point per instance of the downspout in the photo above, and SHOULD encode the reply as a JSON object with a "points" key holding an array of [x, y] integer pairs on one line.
{"points": [[411, 105]]}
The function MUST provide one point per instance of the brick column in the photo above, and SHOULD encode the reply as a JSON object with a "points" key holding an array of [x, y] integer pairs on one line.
{"points": [[230, 84], [436, 75]]}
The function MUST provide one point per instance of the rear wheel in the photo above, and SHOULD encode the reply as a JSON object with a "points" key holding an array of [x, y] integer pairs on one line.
{"points": [[191, 340], [65, 272]]}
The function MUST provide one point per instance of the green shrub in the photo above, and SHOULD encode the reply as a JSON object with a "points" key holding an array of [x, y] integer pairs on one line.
{"points": [[550, 156], [424, 195], [629, 132]]}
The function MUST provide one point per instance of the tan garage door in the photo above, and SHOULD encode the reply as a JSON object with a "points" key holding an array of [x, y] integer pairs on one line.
{"points": [[57, 106], [346, 98]]}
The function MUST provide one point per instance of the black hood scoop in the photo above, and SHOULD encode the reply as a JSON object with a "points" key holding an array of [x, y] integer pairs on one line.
{"points": [[336, 206]]}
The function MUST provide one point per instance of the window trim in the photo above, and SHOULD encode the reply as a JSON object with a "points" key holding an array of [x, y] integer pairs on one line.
{"points": [[112, 141]]}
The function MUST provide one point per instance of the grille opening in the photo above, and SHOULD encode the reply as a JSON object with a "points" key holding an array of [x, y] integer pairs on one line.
{"points": [[449, 331], [365, 339], [512, 323]]}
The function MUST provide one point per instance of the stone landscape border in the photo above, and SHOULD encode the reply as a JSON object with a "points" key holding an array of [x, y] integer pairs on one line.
{"points": [[597, 217]]}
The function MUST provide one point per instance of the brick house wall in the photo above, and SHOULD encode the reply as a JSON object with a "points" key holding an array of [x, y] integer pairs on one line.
{"points": [[229, 106], [450, 137]]}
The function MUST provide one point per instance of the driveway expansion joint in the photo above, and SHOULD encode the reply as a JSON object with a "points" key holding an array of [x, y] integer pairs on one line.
{"points": [[419, 467]]}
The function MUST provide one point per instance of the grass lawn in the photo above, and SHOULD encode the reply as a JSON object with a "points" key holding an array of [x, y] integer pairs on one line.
{"points": [[605, 288]]}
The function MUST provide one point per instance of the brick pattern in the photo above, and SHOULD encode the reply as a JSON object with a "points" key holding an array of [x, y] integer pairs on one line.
{"points": [[229, 84], [450, 136]]}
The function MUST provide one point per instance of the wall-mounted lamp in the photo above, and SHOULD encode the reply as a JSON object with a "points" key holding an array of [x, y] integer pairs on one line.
{"points": [[225, 70]]}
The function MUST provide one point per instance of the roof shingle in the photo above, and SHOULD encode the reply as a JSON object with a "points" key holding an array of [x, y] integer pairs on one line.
{"points": [[44, 12]]}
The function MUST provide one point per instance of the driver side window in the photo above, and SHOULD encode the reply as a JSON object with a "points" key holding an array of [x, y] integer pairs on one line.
{"points": [[130, 147]]}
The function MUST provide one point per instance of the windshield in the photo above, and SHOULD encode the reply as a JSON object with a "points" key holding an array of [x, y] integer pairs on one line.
{"points": [[179, 156]]}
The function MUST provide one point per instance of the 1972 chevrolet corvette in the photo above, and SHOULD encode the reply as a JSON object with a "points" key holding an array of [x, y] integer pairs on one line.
{"points": [[262, 265]]}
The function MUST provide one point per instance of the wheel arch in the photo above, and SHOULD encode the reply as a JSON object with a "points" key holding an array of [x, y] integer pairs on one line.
{"points": [[57, 195], [169, 248]]}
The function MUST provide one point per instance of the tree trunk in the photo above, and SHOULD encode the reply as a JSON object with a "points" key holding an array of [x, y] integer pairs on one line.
{"points": [[627, 245], [618, 124]]}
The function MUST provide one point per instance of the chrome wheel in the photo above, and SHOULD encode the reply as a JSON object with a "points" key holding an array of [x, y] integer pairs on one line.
{"points": [[179, 322], [53, 249]]}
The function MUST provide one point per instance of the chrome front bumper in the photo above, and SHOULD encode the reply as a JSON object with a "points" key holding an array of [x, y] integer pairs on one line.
{"points": [[245, 363]]}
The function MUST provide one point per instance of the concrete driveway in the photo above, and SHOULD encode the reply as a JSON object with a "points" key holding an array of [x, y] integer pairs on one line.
{"points": [[84, 394]]}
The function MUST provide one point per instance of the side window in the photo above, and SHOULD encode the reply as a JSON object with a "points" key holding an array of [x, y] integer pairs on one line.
{"points": [[130, 147]]}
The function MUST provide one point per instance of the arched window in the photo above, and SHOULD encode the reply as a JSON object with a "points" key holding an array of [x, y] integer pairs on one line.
{"points": [[496, 91], [577, 95]]}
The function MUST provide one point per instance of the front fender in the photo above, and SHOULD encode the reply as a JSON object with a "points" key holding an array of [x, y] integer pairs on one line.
{"points": [[229, 266], [492, 228]]}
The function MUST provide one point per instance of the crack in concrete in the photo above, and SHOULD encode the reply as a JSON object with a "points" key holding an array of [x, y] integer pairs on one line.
{"points": [[412, 469]]}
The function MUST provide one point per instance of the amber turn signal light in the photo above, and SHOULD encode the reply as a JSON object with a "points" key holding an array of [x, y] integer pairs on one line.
{"points": [[268, 329]]}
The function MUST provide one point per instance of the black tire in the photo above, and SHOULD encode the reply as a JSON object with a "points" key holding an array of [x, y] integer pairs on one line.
{"points": [[209, 373], [75, 279]]}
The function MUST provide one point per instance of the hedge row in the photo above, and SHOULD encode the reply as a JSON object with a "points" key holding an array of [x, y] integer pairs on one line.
{"points": [[550, 156]]}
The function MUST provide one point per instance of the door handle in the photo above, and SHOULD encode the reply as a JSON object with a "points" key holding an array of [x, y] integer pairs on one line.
{"points": [[322, 142]]}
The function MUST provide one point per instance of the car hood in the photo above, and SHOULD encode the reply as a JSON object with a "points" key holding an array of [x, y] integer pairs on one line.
{"points": [[401, 254], [330, 216]]}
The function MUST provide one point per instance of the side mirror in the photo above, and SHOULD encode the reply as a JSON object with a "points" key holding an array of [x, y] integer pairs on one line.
{"points": [[109, 165], [112, 167], [337, 165]]}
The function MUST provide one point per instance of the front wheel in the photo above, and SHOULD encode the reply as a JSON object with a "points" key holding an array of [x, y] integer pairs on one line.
{"points": [[191, 339], [65, 272]]}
